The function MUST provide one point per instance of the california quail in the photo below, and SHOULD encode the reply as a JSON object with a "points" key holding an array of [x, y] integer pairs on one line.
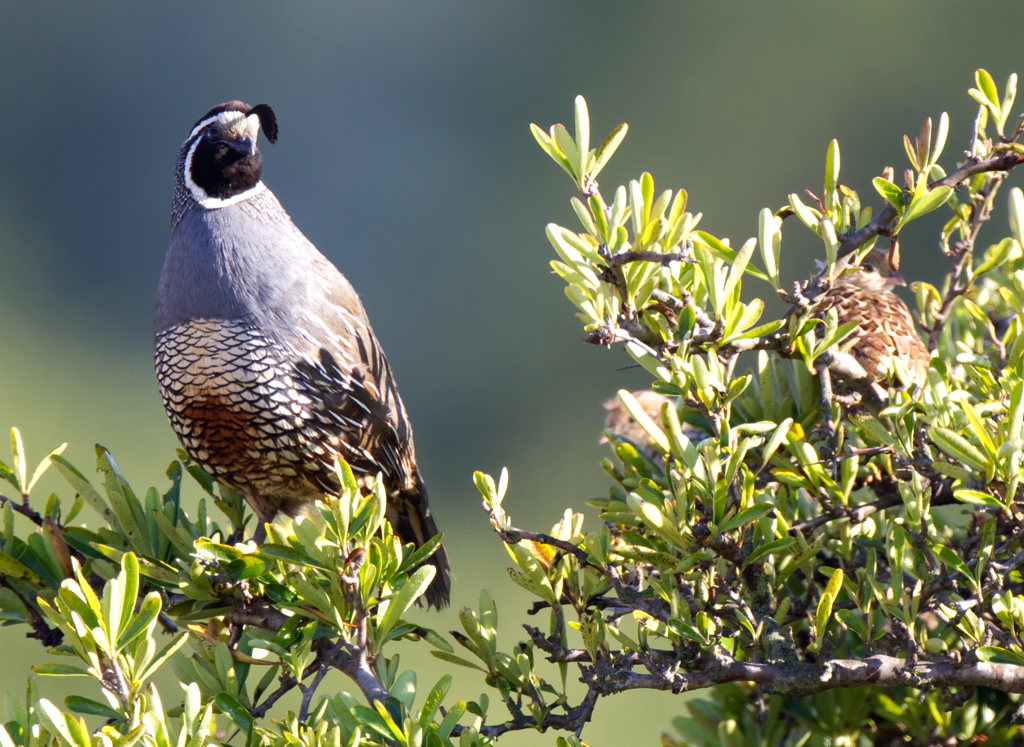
{"points": [[864, 295], [266, 362]]}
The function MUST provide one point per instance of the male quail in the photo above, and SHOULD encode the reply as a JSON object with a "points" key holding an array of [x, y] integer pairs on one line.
{"points": [[864, 295], [266, 362]]}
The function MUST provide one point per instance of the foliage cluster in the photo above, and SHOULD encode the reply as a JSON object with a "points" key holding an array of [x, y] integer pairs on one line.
{"points": [[841, 564]]}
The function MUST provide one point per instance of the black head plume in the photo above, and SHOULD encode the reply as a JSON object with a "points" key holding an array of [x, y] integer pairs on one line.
{"points": [[268, 120]]}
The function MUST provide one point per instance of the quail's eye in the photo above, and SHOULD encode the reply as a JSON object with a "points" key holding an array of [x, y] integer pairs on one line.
{"points": [[867, 267], [213, 134]]}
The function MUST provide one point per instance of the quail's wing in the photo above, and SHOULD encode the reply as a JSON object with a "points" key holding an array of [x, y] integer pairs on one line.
{"points": [[354, 396], [885, 329], [899, 328]]}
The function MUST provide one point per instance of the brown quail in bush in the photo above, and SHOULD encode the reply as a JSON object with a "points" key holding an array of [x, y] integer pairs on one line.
{"points": [[886, 328]]}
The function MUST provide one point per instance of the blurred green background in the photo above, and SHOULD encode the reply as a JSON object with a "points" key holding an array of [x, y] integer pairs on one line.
{"points": [[405, 156]]}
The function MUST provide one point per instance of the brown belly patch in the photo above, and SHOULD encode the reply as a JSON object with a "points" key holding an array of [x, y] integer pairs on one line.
{"points": [[220, 435]]}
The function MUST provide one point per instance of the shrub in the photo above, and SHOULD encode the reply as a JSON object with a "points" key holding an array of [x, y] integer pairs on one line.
{"points": [[837, 557]]}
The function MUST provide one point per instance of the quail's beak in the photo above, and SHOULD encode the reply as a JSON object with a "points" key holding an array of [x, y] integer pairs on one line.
{"points": [[244, 143], [896, 279]]}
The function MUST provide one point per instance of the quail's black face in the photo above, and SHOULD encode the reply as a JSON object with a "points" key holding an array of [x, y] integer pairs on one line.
{"points": [[220, 159]]}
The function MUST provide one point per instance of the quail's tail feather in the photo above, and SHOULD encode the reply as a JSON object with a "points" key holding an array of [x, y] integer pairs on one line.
{"points": [[410, 518]]}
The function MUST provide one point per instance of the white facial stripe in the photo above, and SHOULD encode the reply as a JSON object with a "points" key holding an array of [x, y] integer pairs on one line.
{"points": [[252, 124], [226, 120], [229, 122], [199, 194]]}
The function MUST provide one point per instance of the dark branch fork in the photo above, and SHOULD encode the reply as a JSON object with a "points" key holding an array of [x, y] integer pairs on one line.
{"points": [[348, 656], [22, 507]]}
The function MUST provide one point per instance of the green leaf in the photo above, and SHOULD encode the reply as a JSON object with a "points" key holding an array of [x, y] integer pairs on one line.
{"points": [[835, 583], [720, 250], [450, 720], [644, 356], [1016, 352], [131, 737], [549, 147], [745, 517], [940, 138], [912, 154], [824, 612], [739, 266], [851, 620], [423, 552], [768, 549], [403, 600], [988, 87], [50, 669], [582, 138], [394, 728], [927, 202], [831, 169], [774, 441], [15, 569], [434, 699], [892, 194], [453, 659], [6, 473], [1016, 210], [289, 555], [165, 654], [952, 560], [998, 655], [82, 486], [809, 216], [20, 468], [312, 594], [608, 148], [1008, 98], [978, 428], [53, 722], [234, 710], [130, 593], [78, 704], [834, 336], [141, 621], [828, 235], [826, 602], [177, 536], [563, 140], [761, 331], [958, 447], [767, 228], [812, 549], [369, 717], [113, 603], [124, 503], [43, 466], [977, 498]]}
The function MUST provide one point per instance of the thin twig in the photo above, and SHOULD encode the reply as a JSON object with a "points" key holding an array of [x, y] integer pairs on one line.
{"points": [[512, 536], [22, 508], [47, 635]]}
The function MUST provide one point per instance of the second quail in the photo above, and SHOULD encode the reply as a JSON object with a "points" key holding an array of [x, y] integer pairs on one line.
{"points": [[885, 326]]}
